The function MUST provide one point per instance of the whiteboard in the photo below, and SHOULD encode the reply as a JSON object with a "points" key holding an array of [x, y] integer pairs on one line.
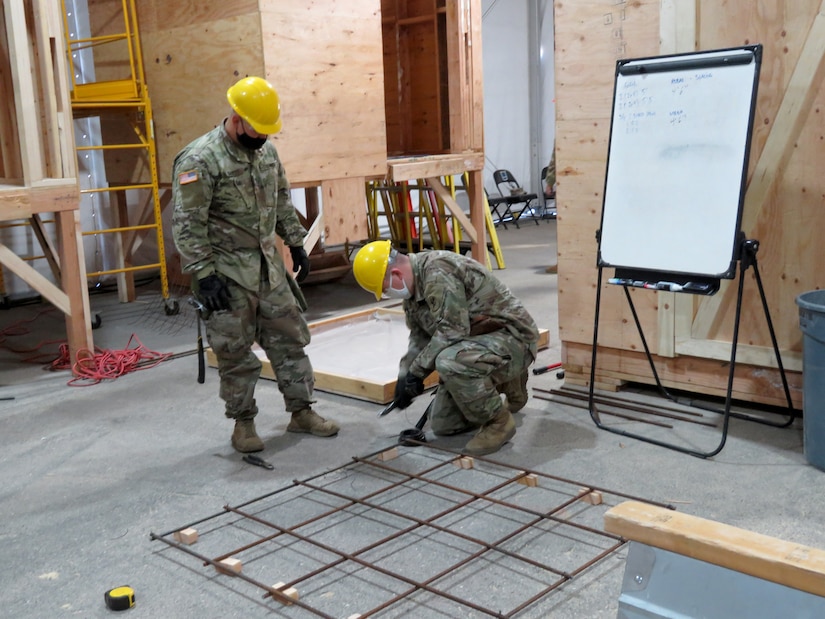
{"points": [[677, 161]]}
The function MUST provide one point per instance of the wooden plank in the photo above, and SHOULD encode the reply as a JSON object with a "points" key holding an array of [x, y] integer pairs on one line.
{"points": [[775, 560], [454, 208], [49, 250], [427, 166], [18, 202], [22, 71], [45, 42], [707, 376], [10, 164], [73, 281], [481, 219], [18, 266], [344, 203]]}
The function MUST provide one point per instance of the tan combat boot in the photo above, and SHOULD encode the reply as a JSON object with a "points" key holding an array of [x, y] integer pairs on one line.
{"points": [[307, 420], [244, 437], [516, 392], [492, 435]]}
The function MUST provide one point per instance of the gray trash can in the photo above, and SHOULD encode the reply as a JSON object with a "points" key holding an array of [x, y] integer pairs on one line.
{"points": [[812, 323]]}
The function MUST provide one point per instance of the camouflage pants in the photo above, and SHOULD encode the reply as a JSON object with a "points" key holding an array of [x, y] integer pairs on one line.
{"points": [[273, 319], [472, 373]]}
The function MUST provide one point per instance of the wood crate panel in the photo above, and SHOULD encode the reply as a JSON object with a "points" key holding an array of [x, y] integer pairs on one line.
{"points": [[692, 374], [188, 70], [333, 98], [785, 218], [593, 35], [155, 15]]}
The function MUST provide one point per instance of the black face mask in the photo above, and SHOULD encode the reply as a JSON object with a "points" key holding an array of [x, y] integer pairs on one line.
{"points": [[247, 141]]}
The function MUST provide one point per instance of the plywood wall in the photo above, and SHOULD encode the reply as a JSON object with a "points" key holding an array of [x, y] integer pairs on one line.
{"points": [[783, 209], [324, 58]]}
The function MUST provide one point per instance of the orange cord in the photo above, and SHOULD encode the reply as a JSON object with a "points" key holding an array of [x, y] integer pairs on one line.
{"points": [[89, 368], [92, 368]]}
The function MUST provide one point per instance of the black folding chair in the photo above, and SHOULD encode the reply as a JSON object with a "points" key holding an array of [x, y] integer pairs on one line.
{"points": [[513, 195]]}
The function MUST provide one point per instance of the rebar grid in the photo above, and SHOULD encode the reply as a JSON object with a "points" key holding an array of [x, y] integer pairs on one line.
{"points": [[411, 528]]}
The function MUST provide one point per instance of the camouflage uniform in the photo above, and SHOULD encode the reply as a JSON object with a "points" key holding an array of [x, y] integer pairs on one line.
{"points": [[230, 203], [468, 326]]}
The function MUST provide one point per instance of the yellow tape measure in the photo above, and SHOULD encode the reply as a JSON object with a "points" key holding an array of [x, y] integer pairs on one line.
{"points": [[120, 598]]}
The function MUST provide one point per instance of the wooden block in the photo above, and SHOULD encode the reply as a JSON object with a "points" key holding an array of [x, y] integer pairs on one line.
{"points": [[775, 560], [594, 497], [390, 454], [186, 536], [230, 566], [464, 462], [292, 592], [531, 480]]}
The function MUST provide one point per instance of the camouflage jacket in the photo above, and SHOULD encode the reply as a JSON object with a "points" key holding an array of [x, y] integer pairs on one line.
{"points": [[456, 297], [229, 205]]}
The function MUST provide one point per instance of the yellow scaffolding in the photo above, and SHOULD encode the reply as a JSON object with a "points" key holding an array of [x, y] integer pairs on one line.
{"points": [[120, 98], [430, 226]]}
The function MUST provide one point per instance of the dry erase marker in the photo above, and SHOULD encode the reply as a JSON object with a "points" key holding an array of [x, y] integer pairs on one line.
{"points": [[696, 287], [619, 280], [669, 286]]}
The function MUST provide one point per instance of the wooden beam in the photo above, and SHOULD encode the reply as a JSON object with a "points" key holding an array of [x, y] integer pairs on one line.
{"points": [[454, 208], [475, 191], [21, 70], [49, 250], [34, 279], [413, 168], [73, 280], [775, 560], [17, 202]]}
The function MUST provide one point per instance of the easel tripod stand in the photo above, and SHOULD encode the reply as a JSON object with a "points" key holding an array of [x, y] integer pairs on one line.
{"points": [[746, 258]]}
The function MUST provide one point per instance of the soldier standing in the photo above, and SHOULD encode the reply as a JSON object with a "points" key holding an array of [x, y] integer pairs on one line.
{"points": [[465, 324], [231, 199]]}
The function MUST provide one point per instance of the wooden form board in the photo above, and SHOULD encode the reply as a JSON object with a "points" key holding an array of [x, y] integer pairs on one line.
{"points": [[357, 354], [691, 337], [775, 560]]}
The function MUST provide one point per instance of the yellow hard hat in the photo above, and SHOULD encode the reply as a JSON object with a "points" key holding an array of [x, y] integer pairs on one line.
{"points": [[370, 266], [256, 101]]}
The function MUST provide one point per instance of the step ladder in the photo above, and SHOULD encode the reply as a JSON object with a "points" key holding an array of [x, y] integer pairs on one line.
{"points": [[108, 88]]}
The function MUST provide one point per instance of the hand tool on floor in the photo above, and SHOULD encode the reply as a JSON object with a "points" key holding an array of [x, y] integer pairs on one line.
{"points": [[255, 460], [388, 408], [201, 360], [413, 436], [547, 368], [120, 598]]}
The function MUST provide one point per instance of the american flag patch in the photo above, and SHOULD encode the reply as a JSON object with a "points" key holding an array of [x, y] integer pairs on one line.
{"points": [[188, 177]]}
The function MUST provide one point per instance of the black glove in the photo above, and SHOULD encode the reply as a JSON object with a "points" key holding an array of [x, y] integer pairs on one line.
{"points": [[299, 260], [407, 390], [213, 293]]}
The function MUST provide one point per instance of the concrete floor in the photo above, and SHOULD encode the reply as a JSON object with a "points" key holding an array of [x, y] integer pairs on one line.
{"points": [[89, 471]]}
